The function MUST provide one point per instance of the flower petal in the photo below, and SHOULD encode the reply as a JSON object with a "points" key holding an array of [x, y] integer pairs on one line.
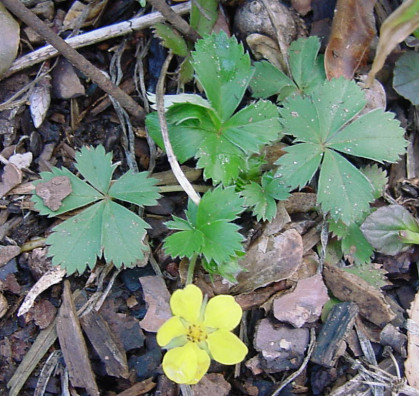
{"points": [[170, 329], [186, 303], [187, 364], [222, 312], [226, 347]]}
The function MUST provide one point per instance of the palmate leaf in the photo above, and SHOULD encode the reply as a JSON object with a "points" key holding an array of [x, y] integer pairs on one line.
{"points": [[324, 123], [208, 230], [105, 227], [122, 235], [304, 64], [377, 177], [343, 190], [82, 194], [306, 68], [224, 71], [375, 135], [136, 188], [95, 166], [76, 242], [261, 197]]}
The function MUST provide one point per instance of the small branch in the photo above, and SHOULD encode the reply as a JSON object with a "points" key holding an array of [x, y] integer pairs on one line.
{"points": [[77, 60], [93, 37], [180, 176], [179, 23]]}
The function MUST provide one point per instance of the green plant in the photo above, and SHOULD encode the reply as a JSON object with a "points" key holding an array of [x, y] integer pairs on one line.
{"points": [[306, 67], [391, 229], [208, 231], [105, 227], [325, 125], [210, 131]]}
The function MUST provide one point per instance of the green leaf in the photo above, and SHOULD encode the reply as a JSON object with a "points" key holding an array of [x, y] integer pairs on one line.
{"points": [[219, 204], [406, 76], [382, 228], [224, 71], [76, 242], [208, 230], [317, 118], [262, 197], [361, 137], [268, 81], [186, 70], [204, 14], [171, 39], [122, 235], [184, 244], [343, 190], [299, 164], [228, 270], [105, 226], [355, 247], [186, 138], [303, 63], [136, 188], [221, 241], [369, 273], [95, 166], [81, 195], [241, 128], [222, 161], [377, 177]]}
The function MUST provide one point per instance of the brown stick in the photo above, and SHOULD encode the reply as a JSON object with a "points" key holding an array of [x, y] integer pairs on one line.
{"points": [[79, 61], [177, 21]]}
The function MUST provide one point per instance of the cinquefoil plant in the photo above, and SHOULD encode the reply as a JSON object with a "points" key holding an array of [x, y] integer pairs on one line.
{"points": [[105, 227], [325, 126], [210, 130]]}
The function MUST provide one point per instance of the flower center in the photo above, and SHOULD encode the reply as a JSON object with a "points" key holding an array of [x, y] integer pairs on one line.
{"points": [[196, 333]]}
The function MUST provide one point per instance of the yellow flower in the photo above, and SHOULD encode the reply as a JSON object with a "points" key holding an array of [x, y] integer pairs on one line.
{"points": [[197, 332]]}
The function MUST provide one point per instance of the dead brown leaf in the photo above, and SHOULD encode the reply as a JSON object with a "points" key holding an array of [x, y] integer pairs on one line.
{"points": [[12, 176], [157, 298], [412, 363], [353, 29], [54, 191]]}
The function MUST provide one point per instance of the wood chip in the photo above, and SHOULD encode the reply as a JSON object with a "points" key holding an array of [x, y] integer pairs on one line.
{"points": [[7, 253], [73, 346], [139, 388], [271, 258], [331, 340], [108, 348], [412, 362], [349, 287]]}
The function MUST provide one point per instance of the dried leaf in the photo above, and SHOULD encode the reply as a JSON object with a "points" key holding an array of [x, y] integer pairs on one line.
{"points": [[12, 176], [53, 276], [40, 99], [54, 191], [352, 31], [402, 22], [9, 43], [157, 298]]}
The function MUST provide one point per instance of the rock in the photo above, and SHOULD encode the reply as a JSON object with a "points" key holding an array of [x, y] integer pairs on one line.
{"points": [[65, 82], [304, 304], [281, 348]]}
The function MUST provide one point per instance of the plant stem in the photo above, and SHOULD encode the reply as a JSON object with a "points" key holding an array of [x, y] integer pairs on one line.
{"points": [[191, 269], [177, 171], [177, 21], [408, 236]]}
